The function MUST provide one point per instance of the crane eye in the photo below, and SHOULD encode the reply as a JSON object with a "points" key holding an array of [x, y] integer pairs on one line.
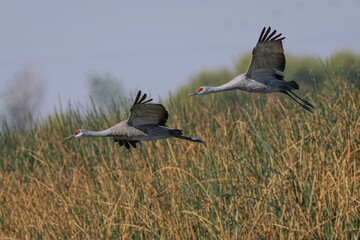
{"points": [[200, 89], [77, 132]]}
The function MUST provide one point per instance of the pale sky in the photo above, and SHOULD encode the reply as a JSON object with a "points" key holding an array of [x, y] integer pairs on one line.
{"points": [[156, 46]]}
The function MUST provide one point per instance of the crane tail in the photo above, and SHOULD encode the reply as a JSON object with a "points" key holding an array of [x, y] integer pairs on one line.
{"points": [[291, 85]]}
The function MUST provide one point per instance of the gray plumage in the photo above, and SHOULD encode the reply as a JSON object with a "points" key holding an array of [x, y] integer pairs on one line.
{"points": [[145, 123], [265, 73]]}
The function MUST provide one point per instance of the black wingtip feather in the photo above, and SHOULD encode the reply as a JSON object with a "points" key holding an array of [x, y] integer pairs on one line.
{"points": [[138, 97], [275, 38], [266, 33], [147, 101], [261, 34], [265, 36], [143, 98], [271, 34], [140, 100]]}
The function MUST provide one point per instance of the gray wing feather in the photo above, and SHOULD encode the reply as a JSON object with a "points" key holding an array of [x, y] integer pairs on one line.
{"points": [[268, 57], [144, 113]]}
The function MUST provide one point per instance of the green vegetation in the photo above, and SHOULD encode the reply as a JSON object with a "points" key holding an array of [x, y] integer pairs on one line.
{"points": [[105, 90], [268, 169]]}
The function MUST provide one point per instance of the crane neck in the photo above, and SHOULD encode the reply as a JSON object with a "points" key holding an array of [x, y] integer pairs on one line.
{"points": [[225, 87], [235, 83], [104, 133]]}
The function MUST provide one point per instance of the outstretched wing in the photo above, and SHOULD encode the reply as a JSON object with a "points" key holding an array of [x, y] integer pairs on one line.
{"points": [[143, 113], [268, 57]]}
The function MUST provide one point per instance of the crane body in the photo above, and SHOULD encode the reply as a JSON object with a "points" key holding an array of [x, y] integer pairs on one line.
{"points": [[242, 82], [145, 123], [265, 72]]}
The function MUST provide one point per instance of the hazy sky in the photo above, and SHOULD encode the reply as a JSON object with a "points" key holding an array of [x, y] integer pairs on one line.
{"points": [[156, 46]]}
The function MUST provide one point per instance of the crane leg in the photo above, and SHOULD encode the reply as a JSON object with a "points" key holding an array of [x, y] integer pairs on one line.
{"points": [[304, 101], [178, 134], [190, 139], [302, 105]]}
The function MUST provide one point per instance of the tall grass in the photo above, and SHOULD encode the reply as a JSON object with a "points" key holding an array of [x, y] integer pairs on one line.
{"points": [[268, 169]]}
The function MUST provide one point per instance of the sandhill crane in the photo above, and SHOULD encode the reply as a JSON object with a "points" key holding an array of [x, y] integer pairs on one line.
{"points": [[145, 123], [265, 72]]}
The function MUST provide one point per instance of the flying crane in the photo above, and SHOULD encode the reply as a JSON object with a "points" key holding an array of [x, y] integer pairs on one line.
{"points": [[145, 123], [265, 72]]}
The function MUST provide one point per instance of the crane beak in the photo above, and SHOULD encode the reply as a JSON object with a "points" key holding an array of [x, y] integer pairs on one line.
{"points": [[193, 94], [69, 137]]}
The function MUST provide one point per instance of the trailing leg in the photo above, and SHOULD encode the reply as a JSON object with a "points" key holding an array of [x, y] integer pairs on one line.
{"points": [[302, 105], [190, 139], [304, 101], [178, 134]]}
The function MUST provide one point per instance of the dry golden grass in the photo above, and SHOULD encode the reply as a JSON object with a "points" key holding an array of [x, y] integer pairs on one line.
{"points": [[266, 171]]}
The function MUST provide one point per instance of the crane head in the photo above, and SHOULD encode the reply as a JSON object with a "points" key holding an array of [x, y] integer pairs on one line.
{"points": [[202, 90], [78, 134]]}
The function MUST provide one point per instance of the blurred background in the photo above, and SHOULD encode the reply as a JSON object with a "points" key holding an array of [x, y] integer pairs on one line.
{"points": [[53, 53]]}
